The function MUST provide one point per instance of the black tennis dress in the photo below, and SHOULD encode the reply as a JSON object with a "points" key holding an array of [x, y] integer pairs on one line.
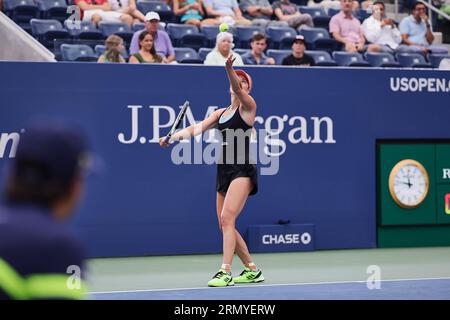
{"points": [[235, 160]]}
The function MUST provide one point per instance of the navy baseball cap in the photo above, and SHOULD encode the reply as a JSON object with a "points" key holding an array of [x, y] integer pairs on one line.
{"points": [[51, 152]]}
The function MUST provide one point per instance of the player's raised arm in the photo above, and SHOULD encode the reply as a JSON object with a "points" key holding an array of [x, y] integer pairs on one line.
{"points": [[248, 103], [195, 129]]}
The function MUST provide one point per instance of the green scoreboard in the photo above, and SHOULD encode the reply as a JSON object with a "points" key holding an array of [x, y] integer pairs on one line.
{"points": [[413, 194]]}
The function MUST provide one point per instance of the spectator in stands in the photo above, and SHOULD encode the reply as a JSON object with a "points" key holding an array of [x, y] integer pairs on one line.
{"points": [[100, 10], [260, 13], [189, 11], [289, 12], [256, 56], [147, 52], [223, 49], [417, 34], [225, 11], [347, 30], [163, 45], [128, 7], [114, 49], [381, 31], [298, 56]]}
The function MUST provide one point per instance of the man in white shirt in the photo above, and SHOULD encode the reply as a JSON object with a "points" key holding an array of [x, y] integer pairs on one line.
{"points": [[381, 31]]}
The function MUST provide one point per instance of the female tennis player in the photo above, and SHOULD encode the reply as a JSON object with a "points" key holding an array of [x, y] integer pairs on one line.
{"points": [[236, 175]]}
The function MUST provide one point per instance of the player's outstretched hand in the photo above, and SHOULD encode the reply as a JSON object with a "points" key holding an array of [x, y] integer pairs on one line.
{"points": [[163, 143], [230, 61]]}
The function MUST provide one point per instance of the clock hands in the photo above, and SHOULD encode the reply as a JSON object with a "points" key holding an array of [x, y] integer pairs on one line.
{"points": [[409, 183]]}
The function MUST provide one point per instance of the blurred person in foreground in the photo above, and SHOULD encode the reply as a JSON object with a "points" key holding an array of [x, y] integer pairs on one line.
{"points": [[39, 257]]}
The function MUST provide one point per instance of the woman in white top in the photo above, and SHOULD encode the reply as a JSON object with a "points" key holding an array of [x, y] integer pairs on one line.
{"points": [[219, 55]]}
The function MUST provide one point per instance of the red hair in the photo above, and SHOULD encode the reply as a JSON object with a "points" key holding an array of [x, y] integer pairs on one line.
{"points": [[246, 76]]}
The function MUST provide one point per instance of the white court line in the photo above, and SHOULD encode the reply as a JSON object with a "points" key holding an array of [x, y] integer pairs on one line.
{"points": [[255, 285]]}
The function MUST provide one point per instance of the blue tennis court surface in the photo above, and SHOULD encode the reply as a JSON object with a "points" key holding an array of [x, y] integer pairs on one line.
{"points": [[409, 289]]}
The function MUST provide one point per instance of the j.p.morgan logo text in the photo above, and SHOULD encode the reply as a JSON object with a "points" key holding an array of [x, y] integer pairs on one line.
{"points": [[315, 130]]}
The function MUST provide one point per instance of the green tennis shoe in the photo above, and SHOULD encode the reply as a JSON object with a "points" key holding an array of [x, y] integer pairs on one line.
{"points": [[249, 276], [221, 279]]}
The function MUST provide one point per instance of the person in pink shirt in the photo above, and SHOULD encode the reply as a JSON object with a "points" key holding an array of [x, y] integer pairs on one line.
{"points": [[347, 29]]}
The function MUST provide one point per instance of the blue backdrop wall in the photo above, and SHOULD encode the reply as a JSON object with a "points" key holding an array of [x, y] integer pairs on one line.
{"points": [[141, 203]]}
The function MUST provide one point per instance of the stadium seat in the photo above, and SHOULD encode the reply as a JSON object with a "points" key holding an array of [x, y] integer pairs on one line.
{"points": [[435, 59], [210, 33], [241, 51], [46, 31], [85, 30], [321, 58], [320, 17], [21, 11], [280, 37], [412, 60], [121, 29], [77, 52], [101, 48], [138, 26], [53, 9], [185, 35], [187, 55], [381, 59], [164, 10], [278, 55], [363, 15], [347, 59], [203, 52], [319, 39], [332, 12], [245, 35]]}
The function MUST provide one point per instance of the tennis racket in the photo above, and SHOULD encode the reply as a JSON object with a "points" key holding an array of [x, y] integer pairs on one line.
{"points": [[177, 122]]}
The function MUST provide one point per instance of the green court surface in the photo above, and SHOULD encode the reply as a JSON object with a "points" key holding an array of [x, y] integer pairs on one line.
{"points": [[185, 272]]}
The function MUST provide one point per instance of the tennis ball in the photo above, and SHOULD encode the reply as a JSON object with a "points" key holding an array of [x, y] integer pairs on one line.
{"points": [[223, 27]]}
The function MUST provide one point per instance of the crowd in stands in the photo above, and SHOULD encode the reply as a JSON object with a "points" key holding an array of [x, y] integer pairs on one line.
{"points": [[350, 31]]}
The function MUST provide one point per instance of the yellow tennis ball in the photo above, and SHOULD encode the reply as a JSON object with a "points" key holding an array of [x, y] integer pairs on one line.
{"points": [[223, 27]]}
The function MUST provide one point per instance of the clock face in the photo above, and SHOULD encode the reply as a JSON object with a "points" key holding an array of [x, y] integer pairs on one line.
{"points": [[408, 183]]}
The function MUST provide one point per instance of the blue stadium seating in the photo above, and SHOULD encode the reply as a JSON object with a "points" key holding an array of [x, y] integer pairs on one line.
{"points": [[203, 52], [241, 51], [83, 30], [348, 59], [321, 58], [77, 52], [48, 30], [245, 34], [332, 12], [278, 55], [381, 59], [22, 11], [187, 55], [319, 39], [138, 26], [53, 9], [210, 33], [164, 10], [121, 29], [412, 60], [435, 59], [184, 35], [280, 37], [320, 17]]}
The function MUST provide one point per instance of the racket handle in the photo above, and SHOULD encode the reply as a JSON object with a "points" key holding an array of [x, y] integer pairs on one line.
{"points": [[167, 138]]}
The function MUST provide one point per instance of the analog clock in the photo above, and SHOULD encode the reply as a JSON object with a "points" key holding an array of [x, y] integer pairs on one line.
{"points": [[408, 183]]}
